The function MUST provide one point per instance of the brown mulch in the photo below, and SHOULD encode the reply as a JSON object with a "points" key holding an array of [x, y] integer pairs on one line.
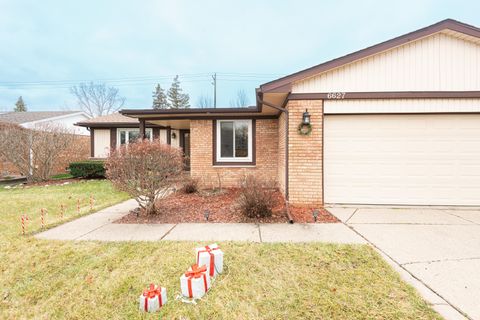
{"points": [[222, 206]]}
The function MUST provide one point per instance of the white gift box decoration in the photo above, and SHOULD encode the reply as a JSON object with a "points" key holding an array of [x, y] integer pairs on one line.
{"points": [[195, 282], [152, 299], [212, 257]]}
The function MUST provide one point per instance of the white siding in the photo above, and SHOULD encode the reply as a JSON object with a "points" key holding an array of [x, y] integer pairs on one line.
{"points": [[439, 62], [163, 135], [401, 105], [101, 143]]}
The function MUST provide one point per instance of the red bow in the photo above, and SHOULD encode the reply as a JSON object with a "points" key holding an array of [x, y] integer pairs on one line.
{"points": [[212, 258], [196, 272], [151, 293]]}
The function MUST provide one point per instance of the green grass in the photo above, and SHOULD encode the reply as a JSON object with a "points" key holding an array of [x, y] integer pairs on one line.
{"points": [[61, 176], [43, 279]]}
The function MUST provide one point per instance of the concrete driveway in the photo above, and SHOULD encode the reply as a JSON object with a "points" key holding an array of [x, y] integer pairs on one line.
{"points": [[440, 248]]}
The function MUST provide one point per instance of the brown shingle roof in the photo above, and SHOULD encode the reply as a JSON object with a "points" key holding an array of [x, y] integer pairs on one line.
{"points": [[114, 117], [29, 116], [110, 120]]}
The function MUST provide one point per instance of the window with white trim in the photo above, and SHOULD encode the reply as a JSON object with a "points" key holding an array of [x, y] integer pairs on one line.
{"points": [[234, 141], [130, 135]]}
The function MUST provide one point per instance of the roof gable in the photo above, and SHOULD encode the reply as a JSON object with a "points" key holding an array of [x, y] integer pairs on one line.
{"points": [[285, 84]]}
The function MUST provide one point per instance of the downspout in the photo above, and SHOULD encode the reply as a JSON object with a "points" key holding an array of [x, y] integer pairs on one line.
{"points": [[285, 111]]}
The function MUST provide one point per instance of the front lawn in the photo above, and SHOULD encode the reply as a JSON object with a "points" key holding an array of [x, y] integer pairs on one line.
{"points": [[91, 280]]}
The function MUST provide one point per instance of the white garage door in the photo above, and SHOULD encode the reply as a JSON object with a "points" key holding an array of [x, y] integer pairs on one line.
{"points": [[402, 159]]}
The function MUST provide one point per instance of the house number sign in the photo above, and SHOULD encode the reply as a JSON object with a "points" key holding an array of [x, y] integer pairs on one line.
{"points": [[336, 95]]}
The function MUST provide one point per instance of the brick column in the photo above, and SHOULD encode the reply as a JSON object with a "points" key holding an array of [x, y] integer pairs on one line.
{"points": [[305, 154]]}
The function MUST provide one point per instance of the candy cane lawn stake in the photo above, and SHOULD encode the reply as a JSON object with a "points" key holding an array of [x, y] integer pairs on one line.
{"points": [[42, 217], [78, 206], [62, 211], [24, 224], [92, 200]]}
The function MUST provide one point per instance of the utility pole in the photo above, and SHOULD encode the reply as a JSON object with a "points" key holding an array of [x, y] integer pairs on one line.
{"points": [[214, 83]]}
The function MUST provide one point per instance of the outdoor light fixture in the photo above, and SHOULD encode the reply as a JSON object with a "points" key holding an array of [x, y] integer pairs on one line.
{"points": [[174, 135], [206, 214], [306, 118], [315, 214]]}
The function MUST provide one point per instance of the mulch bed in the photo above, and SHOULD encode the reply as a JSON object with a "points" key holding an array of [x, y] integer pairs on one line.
{"points": [[222, 206]]}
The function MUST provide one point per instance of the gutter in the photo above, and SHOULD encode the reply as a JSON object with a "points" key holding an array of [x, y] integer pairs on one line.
{"points": [[285, 111]]}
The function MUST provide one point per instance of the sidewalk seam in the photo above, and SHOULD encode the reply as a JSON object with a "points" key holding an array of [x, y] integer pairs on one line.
{"points": [[351, 215], [411, 274], [440, 260], [166, 234], [259, 233]]}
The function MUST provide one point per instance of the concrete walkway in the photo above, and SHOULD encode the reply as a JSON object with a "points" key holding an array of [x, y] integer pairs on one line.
{"points": [[437, 250], [99, 226]]}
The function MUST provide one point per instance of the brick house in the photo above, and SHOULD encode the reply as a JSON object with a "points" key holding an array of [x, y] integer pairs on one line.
{"points": [[395, 123]]}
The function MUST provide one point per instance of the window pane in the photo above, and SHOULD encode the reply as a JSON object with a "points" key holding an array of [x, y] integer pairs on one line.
{"points": [[133, 136], [226, 139], [147, 134], [241, 139], [123, 137]]}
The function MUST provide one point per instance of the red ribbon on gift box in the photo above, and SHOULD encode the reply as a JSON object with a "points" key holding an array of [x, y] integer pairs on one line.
{"points": [[151, 293], [196, 273], [212, 259]]}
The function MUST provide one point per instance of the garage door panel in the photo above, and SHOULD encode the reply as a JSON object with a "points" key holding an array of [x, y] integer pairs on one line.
{"points": [[402, 159]]}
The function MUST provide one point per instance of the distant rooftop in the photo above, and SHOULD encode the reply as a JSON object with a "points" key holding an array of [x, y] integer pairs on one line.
{"points": [[30, 116], [111, 118]]}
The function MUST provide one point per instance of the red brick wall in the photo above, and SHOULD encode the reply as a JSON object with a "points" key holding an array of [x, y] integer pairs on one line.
{"points": [[201, 163], [305, 154]]}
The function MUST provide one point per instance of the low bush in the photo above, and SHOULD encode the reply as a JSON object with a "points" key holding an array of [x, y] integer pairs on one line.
{"points": [[87, 169], [257, 197], [190, 186]]}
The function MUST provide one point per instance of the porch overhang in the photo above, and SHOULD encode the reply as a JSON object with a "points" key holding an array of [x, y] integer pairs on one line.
{"points": [[180, 118]]}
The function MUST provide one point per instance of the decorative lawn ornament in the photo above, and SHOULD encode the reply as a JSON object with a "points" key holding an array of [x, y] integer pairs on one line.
{"points": [[212, 257], [206, 214], [78, 206], [42, 217], [92, 201], [315, 215], [24, 224], [62, 210], [195, 282], [153, 298]]}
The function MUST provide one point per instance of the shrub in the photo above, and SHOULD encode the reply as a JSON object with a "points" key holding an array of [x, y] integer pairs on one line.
{"points": [[190, 186], [35, 152], [87, 169], [145, 169], [256, 197]]}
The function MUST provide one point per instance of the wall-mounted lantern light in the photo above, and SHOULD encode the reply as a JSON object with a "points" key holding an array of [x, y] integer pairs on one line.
{"points": [[174, 135], [306, 118]]}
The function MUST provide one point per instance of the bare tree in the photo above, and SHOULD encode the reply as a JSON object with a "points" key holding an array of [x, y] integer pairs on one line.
{"points": [[204, 101], [241, 100], [96, 99], [145, 170], [36, 151]]}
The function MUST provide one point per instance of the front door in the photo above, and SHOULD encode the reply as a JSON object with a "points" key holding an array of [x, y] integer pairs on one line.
{"points": [[185, 145]]}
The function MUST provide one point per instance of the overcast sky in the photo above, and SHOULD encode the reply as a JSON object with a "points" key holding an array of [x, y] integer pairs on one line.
{"points": [[48, 46]]}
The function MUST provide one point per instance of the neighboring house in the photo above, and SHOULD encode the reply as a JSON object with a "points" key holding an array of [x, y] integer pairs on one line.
{"points": [[35, 120], [32, 119], [108, 132], [395, 123]]}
